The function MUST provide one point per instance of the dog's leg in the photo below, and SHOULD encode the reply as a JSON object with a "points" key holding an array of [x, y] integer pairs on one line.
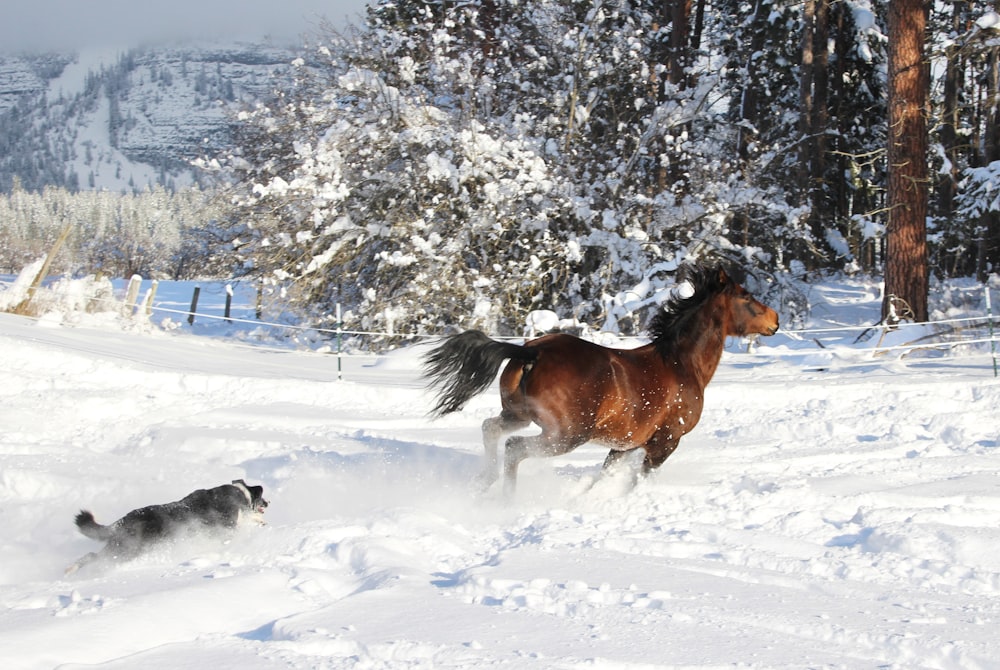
{"points": [[82, 561]]}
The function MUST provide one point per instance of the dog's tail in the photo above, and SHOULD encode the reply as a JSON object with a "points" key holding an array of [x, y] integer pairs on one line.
{"points": [[89, 527]]}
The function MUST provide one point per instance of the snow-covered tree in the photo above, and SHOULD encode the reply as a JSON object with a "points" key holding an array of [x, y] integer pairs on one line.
{"points": [[465, 163], [965, 229], [110, 233]]}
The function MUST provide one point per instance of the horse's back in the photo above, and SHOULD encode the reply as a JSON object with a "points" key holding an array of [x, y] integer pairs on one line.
{"points": [[567, 372], [570, 355]]}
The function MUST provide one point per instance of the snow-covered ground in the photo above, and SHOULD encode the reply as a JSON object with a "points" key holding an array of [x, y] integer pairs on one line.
{"points": [[834, 508]]}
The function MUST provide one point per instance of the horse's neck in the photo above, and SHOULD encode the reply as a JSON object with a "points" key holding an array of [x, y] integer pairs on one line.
{"points": [[701, 353]]}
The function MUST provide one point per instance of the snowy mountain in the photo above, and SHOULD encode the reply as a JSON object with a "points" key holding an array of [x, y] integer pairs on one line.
{"points": [[123, 120]]}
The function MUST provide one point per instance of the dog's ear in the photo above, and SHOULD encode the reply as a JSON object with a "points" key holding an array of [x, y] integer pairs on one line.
{"points": [[239, 481]]}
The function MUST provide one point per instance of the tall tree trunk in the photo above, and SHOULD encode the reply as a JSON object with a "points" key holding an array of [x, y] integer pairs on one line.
{"points": [[813, 122], [840, 188], [990, 226], [947, 187], [699, 25], [676, 57], [679, 12], [906, 276], [807, 70], [748, 112], [488, 24], [820, 216]]}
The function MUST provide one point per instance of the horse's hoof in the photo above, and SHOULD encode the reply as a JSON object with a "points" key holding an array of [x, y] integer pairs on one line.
{"points": [[483, 481]]}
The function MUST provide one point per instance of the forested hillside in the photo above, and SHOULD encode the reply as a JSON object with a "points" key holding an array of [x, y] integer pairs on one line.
{"points": [[125, 120]]}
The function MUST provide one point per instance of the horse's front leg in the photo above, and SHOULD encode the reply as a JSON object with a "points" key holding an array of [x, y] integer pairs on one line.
{"points": [[658, 448], [613, 463], [614, 459]]}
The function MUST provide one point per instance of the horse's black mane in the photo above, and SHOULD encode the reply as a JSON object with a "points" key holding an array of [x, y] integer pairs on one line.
{"points": [[673, 321]]}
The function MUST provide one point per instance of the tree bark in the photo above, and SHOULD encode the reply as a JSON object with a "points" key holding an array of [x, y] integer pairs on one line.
{"points": [[679, 14], [906, 275], [821, 218], [806, 97], [990, 226], [748, 113], [675, 55], [947, 187]]}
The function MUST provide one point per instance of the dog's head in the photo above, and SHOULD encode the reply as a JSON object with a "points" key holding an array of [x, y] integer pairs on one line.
{"points": [[257, 504]]}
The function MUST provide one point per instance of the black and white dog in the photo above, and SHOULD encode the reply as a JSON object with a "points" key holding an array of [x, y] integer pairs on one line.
{"points": [[222, 507]]}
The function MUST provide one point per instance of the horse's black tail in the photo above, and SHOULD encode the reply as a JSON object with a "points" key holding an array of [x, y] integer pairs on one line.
{"points": [[464, 365]]}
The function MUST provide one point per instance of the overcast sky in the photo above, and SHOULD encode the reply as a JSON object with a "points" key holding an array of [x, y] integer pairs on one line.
{"points": [[38, 25]]}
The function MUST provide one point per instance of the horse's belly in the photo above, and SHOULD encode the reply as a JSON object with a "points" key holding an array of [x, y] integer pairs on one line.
{"points": [[626, 430], [623, 435]]}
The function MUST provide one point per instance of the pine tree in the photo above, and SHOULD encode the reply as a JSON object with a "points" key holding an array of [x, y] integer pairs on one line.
{"points": [[906, 271]]}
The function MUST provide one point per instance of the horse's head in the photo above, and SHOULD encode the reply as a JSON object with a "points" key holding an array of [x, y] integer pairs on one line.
{"points": [[746, 315], [714, 303]]}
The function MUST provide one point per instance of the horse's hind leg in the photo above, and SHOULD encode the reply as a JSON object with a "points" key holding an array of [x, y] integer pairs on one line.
{"points": [[493, 430], [520, 447]]}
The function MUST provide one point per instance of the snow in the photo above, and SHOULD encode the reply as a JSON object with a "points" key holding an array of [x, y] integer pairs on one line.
{"points": [[93, 152], [73, 78], [988, 20], [834, 508]]}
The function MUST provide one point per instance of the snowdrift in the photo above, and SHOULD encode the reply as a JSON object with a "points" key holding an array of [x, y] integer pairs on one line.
{"points": [[835, 511]]}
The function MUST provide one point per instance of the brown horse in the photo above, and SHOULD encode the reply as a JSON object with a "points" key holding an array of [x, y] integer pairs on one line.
{"points": [[577, 391]]}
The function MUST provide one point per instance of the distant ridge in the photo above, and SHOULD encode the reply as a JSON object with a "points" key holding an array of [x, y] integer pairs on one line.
{"points": [[126, 120]]}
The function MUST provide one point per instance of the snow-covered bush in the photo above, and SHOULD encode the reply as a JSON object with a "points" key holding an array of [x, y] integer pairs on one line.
{"points": [[66, 299]]}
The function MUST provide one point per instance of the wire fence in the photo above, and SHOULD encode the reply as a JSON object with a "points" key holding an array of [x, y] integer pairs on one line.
{"points": [[849, 344]]}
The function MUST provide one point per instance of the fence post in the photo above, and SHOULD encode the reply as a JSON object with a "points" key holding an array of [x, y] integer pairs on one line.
{"points": [[132, 294], [24, 307], [150, 295], [229, 301], [989, 314], [194, 305], [340, 375], [260, 298]]}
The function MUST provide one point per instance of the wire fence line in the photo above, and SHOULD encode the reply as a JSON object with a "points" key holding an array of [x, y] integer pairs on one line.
{"points": [[802, 333], [942, 334], [940, 328]]}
